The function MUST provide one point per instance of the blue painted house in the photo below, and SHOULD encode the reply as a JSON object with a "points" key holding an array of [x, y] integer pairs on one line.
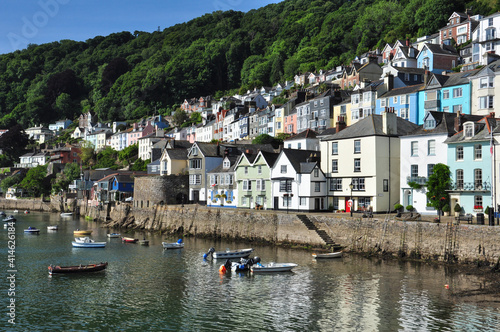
{"points": [[437, 58], [404, 101], [469, 159], [114, 187], [446, 93]]}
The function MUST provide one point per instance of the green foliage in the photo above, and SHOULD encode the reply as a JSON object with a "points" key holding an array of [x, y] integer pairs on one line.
{"points": [[446, 208], [12, 144], [438, 185], [140, 165], [267, 139], [487, 210], [128, 154], [409, 207], [414, 185], [398, 207], [10, 181], [62, 180], [107, 158], [457, 208], [36, 181], [87, 154]]}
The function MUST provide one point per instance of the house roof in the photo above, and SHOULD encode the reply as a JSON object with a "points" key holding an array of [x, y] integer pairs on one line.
{"points": [[445, 124], [409, 70], [441, 49], [177, 154], [329, 131], [460, 78], [372, 126], [482, 131], [308, 133], [403, 90], [297, 157]]}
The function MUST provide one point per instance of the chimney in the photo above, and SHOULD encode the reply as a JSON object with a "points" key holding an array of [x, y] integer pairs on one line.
{"points": [[426, 77], [458, 123], [407, 42], [340, 124], [389, 123], [389, 82]]}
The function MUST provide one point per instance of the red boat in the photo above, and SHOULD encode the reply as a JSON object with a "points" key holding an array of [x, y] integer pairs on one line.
{"points": [[78, 268], [129, 240]]}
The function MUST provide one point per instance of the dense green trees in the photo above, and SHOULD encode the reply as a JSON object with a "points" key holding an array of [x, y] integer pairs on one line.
{"points": [[129, 76]]}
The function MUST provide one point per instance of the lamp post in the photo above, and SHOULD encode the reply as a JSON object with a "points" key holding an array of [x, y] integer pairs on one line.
{"points": [[350, 187]]}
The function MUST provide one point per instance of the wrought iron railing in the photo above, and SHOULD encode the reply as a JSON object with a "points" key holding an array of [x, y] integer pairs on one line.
{"points": [[418, 179], [471, 186]]}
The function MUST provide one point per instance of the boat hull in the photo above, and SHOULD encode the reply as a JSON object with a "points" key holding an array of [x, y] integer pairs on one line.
{"points": [[32, 231], [273, 267], [173, 245], [88, 244], [52, 228], [78, 268], [82, 233], [113, 235], [230, 254], [328, 255], [129, 240]]}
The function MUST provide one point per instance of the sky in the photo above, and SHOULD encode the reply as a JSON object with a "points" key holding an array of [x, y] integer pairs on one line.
{"points": [[24, 22]]}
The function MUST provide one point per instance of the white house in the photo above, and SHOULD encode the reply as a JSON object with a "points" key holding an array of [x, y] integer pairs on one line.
{"points": [[305, 140]]}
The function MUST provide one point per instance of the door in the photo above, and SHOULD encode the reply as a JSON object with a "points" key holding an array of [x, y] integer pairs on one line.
{"points": [[316, 204], [196, 196], [276, 203]]}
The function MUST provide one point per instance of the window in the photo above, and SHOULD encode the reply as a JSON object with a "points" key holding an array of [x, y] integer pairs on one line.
{"points": [[260, 185], [317, 187], [446, 94], [299, 145], [460, 178], [247, 185], [214, 180], [195, 163], [430, 123], [386, 185], [357, 165], [478, 152], [287, 201], [430, 169], [459, 153], [407, 77], [335, 148], [395, 100], [226, 164], [404, 113], [285, 186], [355, 98], [246, 170], [478, 179], [336, 184], [490, 21], [283, 169], [446, 109], [382, 102], [414, 171], [486, 102], [316, 172], [469, 130], [303, 201], [195, 179], [414, 149], [431, 147], [486, 82], [244, 201], [457, 108], [478, 202], [367, 97], [259, 169], [229, 179], [404, 99], [194, 151], [358, 184], [357, 146], [335, 165], [457, 92]]}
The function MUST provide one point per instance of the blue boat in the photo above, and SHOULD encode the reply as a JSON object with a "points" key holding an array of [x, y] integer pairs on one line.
{"points": [[32, 230]]}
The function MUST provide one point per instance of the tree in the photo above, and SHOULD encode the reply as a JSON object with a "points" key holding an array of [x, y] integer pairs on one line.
{"points": [[106, 158], [179, 117], [437, 185], [128, 154], [87, 154], [13, 143], [266, 139], [35, 181], [140, 165], [62, 180], [10, 182]]}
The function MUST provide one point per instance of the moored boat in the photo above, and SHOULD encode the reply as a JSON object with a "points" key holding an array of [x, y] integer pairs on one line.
{"points": [[86, 242], [144, 242], [228, 254], [52, 228], [173, 245], [32, 230], [78, 268], [337, 254], [2, 214], [10, 218], [79, 232], [273, 267], [129, 240], [26, 211], [66, 214], [113, 235]]}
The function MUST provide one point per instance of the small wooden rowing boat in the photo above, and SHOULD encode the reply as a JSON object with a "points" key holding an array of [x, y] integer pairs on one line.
{"points": [[32, 230], [79, 232], [78, 268], [337, 254], [129, 240], [273, 267]]}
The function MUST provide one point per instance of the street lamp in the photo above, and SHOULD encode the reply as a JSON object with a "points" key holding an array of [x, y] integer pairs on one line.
{"points": [[350, 186]]}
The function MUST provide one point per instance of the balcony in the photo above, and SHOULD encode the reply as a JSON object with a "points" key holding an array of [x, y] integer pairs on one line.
{"points": [[431, 104], [422, 180], [470, 186]]}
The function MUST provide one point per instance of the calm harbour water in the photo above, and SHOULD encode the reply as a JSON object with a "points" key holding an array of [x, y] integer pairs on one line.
{"points": [[149, 289]]}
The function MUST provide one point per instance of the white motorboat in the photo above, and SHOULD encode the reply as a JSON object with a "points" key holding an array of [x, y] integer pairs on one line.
{"points": [[52, 228], [273, 267], [229, 254], [10, 218], [86, 242], [66, 214], [337, 254], [173, 245], [113, 235], [32, 230]]}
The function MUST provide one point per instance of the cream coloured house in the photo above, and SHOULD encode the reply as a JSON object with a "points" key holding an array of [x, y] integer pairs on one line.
{"points": [[484, 86], [173, 161], [362, 163]]}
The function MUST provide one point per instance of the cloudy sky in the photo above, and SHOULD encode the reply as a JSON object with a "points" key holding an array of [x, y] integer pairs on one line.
{"points": [[24, 22]]}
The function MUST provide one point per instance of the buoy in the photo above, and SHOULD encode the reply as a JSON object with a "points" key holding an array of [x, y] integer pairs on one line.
{"points": [[447, 286], [222, 269]]}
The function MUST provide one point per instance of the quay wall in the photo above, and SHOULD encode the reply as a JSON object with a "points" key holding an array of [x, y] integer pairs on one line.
{"points": [[428, 241]]}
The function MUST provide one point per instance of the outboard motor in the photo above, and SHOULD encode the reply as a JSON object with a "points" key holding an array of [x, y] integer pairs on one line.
{"points": [[210, 252], [179, 241], [256, 260], [227, 264]]}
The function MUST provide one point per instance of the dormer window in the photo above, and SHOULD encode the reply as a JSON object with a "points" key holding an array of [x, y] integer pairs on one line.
{"points": [[469, 130], [194, 151], [226, 164], [429, 123]]}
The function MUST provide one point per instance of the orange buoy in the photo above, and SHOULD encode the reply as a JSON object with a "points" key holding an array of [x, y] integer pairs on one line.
{"points": [[222, 269]]}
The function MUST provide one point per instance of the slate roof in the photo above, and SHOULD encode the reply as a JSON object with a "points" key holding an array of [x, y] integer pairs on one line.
{"points": [[445, 124], [482, 131], [297, 157], [409, 70], [403, 90], [326, 132], [221, 169], [177, 154], [371, 126], [308, 133], [441, 49], [460, 78]]}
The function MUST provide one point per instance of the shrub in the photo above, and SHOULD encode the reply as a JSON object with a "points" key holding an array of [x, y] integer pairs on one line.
{"points": [[446, 208], [409, 207], [398, 207], [487, 210], [457, 208]]}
